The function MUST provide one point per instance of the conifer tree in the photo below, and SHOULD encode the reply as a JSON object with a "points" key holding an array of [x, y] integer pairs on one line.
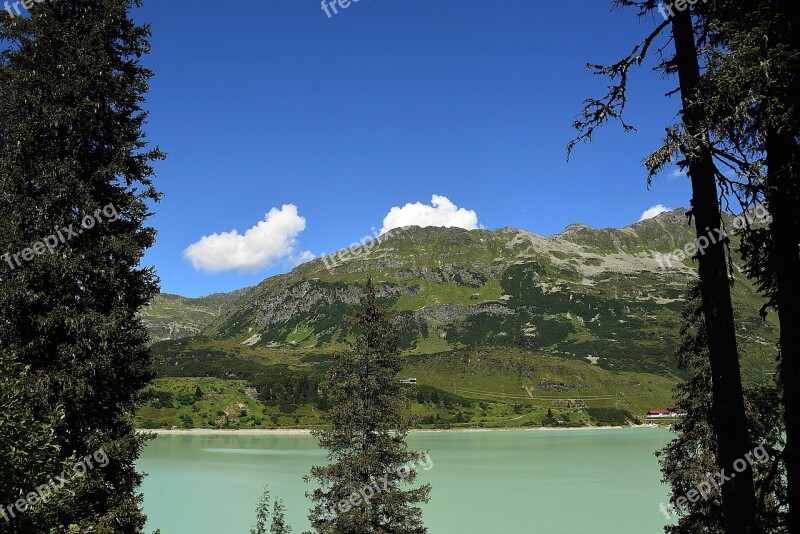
{"points": [[750, 87], [278, 524], [262, 514], [691, 144], [75, 183], [689, 461], [28, 453], [361, 490], [549, 419], [729, 418]]}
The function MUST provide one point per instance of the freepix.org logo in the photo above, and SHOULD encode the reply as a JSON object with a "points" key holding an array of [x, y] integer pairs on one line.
{"points": [[363, 496], [45, 491], [60, 237], [677, 6], [366, 244], [332, 7], [27, 4]]}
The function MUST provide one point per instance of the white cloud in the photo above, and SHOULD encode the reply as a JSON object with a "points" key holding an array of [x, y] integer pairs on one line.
{"points": [[441, 212], [268, 242], [652, 212], [677, 173], [303, 257]]}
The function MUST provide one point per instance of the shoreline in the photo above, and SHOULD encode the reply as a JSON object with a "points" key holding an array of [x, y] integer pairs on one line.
{"points": [[307, 432]]}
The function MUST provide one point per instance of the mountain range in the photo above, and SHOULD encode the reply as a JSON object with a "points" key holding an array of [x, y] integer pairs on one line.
{"points": [[598, 295], [590, 317]]}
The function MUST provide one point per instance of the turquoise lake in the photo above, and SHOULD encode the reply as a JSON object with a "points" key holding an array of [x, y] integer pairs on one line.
{"points": [[549, 482]]}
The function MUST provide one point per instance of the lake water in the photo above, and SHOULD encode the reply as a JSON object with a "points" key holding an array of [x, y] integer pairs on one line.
{"points": [[549, 482]]}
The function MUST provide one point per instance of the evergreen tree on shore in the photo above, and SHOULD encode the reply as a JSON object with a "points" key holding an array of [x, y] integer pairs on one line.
{"points": [[28, 453], [75, 182], [692, 144], [689, 461], [750, 84], [366, 439]]}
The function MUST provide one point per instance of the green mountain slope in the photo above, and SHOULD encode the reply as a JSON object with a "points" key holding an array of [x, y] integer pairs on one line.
{"points": [[585, 294], [174, 317], [498, 326]]}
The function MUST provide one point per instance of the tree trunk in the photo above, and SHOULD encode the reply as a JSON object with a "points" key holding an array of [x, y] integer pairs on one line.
{"points": [[738, 494], [782, 199]]}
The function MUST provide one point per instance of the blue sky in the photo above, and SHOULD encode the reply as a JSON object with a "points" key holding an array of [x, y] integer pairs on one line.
{"points": [[262, 104]]}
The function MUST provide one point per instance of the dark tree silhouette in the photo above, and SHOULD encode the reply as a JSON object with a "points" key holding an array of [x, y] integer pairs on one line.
{"points": [[366, 439], [75, 182]]}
